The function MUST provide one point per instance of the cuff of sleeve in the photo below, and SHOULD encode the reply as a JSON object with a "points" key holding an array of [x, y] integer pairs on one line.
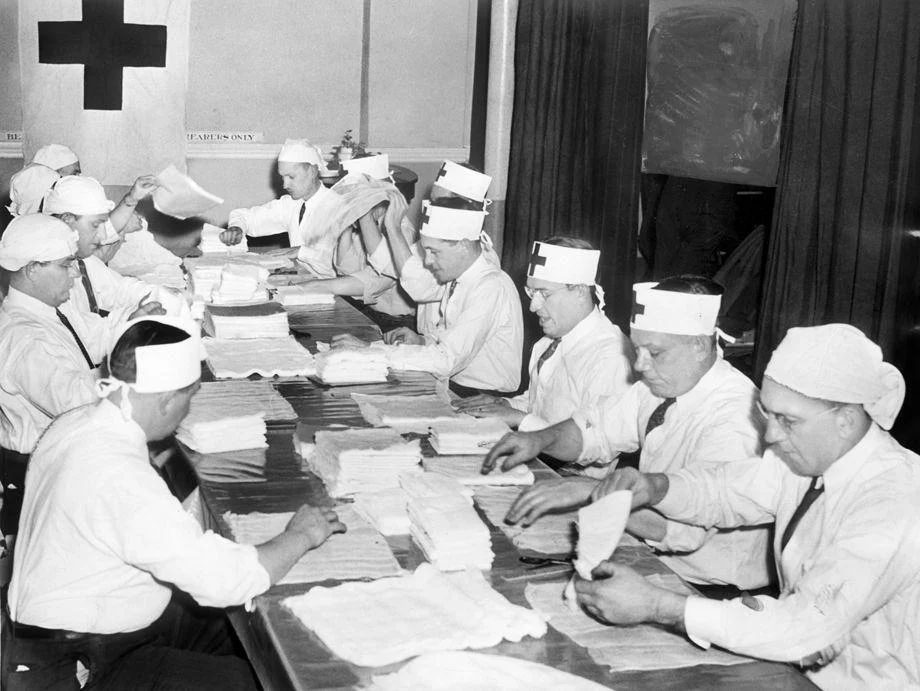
{"points": [[531, 422], [588, 453], [703, 620], [674, 500]]}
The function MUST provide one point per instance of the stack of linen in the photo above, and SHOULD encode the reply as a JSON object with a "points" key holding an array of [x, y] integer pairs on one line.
{"points": [[470, 436], [205, 274], [385, 509], [239, 358], [406, 413], [240, 283], [416, 358], [362, 460], [267, 320], [450, 532], [423, 485], [467, 471], [351, 366], [212, 244], [214, 432], [299, 296]]}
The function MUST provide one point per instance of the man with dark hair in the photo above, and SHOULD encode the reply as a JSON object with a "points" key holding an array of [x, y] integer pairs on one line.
{"points": [[102, 542], [690, 408]]}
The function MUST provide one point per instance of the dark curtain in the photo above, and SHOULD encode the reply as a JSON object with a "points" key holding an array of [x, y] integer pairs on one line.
{"points": [[834, 250], [576, 134]]}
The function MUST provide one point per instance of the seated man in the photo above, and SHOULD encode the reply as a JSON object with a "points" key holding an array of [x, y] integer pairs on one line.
{"points": [[307, 213], [102, 542], [689, 409], [582, 357], [28, 188], [845, 498], [58, 157], [478, 338]]}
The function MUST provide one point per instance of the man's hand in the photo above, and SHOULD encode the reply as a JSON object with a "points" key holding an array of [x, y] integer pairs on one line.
{"points": [[347, 341], [403, 334], [484, 405], [550, 495], [619, 595], [231, 236], [141, 189], [315, 525], [513, 449], [647, 488], [146, 309]]}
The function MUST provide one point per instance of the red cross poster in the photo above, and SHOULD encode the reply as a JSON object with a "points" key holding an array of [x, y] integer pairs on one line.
{"points": [[107, 78]]}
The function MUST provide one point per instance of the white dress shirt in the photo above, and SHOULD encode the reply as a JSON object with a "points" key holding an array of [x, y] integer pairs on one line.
{"points": [[712, 424], [101, 537], [141, 253], [478, 338], [42, 371], [850, 573], [117, 294], [316, 234], [591, 362]]}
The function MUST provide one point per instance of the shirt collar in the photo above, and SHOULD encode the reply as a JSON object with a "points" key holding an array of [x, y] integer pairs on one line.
{"points": [[317, 196], [582, 328], [842, 471], [16, 298], [706, 385], [477, 268]]}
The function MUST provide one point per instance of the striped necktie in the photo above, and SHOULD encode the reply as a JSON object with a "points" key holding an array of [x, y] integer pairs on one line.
{"points": [[810, 497], [657, 417], [66, 322], [88, 287], [548, 353]]}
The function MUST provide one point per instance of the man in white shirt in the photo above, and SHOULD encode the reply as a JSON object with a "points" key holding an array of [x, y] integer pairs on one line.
{"points": [[689, 409], [102, 541], [307, 213], [845, 498], [582, 358]]}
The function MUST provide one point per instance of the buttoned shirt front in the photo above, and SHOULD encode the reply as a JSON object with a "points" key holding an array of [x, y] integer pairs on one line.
{"points": [[850, 573], [101, 538]]}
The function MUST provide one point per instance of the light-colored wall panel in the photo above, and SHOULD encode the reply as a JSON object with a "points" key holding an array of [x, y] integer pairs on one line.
{"points": [[10, 94]]}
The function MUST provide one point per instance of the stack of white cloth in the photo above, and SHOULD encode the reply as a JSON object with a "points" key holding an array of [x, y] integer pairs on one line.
{"points": [[423, 485], [450, 532], [215, 431], [412, 358], [166, 275], [362, 460], [351, 365], [269, 357], [472, 436], [298, 296], [385, 509], [266, 320], [406, 413], [205, 273], [467, 471], [240, 283], [212, 244]]}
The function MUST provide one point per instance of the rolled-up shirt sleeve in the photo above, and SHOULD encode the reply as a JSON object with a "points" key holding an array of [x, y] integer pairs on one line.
{"points": [[267, 219], [609, 428], [418, 282]]}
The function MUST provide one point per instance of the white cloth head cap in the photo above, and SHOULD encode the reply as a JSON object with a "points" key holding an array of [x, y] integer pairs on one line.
{"points": [[563, 264], [443, 223], [463, 181], [55, 156], [29, 186], [301, 151], [670, 312], [375, 167], [35, 238], [836, 362], [79, 195]]}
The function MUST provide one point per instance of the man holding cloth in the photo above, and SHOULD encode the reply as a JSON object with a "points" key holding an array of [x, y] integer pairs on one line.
{"points": [[845, 498]]}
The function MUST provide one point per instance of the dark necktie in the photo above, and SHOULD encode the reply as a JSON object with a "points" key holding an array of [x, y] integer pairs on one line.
{"points": [[450, 293], [66, 322], [809, 498], [303, 209], [88, 287], [658, 415], [548, 353]]}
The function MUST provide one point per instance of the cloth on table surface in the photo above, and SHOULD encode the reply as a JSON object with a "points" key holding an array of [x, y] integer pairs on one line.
{"points": [[351, 365], [413, 358], [551, 534], [421, 485], [466, 470], [385, 509], [624, 648], [212, 244], [223, 434], [226, 398], [205, 273], [405, 413], [268, 320], [392, 619], [298, 296], [450, 532], [456, 670], [360, 552], [268, 357], [362, 460], [240, 283], [473, 436], [166, 275]]}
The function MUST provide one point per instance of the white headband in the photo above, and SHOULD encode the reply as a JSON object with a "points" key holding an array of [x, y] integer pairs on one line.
{"points": [[463, 181], [375, 167], [452, 224], [563, 264], [666, 311]]}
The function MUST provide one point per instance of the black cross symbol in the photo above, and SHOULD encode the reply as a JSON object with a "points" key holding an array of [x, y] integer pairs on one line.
{"points": [[425, 218], [536, 258], [104, 45], [441, 173], [637, 307]]}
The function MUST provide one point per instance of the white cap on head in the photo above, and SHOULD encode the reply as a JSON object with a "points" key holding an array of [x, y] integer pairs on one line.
{"points": [[55, 156], [78, 195], [375, 167], [442, 223], [836, 362], [35, 238], [563, 264], [667, 311], [29, 186], [301, 151], [463, 181]]}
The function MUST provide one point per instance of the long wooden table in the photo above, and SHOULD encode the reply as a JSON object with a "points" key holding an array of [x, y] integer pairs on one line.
{"points": [[288, 656]]}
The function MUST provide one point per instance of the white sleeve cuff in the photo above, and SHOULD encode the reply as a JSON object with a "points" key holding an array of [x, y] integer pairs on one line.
{"points": [[702, 620], [531, 422], [589, 444]]}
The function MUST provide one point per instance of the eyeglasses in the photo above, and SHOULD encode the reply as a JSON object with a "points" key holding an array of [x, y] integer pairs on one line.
{"points": [[787, 424], [62, 263], [543, 293]]}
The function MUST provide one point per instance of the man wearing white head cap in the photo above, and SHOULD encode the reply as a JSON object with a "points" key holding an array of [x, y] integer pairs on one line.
{"points": [[582, 358], [459, 180], [306, 213], [58, 157], [102, 542], [690, 408], [845, 500], [28, 188]]}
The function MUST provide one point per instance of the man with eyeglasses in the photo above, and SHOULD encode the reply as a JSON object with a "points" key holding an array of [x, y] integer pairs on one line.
{"points": [[845, 500], [690, 408], [582, 358]]}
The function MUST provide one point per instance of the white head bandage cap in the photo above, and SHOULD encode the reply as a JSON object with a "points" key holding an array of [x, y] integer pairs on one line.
{"points": [[55, 156], [29, 186], [836, 362], [78, 195], [375, 167], [667, 311], [36, 238], [563, 264], [301, 151], [463, 181], [443, 223]]}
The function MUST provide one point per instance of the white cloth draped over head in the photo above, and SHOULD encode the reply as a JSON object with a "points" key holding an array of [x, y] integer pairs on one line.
{"points": [[443, 223], [667, 311], [55, 156], [301, 151], [29, 186], [36, 238], [361, 194], [836, 362], [463, 181], [375, 167], [78, 195]]}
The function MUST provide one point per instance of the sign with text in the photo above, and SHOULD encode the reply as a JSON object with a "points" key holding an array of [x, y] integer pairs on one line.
{"points": [[215, 137]]}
